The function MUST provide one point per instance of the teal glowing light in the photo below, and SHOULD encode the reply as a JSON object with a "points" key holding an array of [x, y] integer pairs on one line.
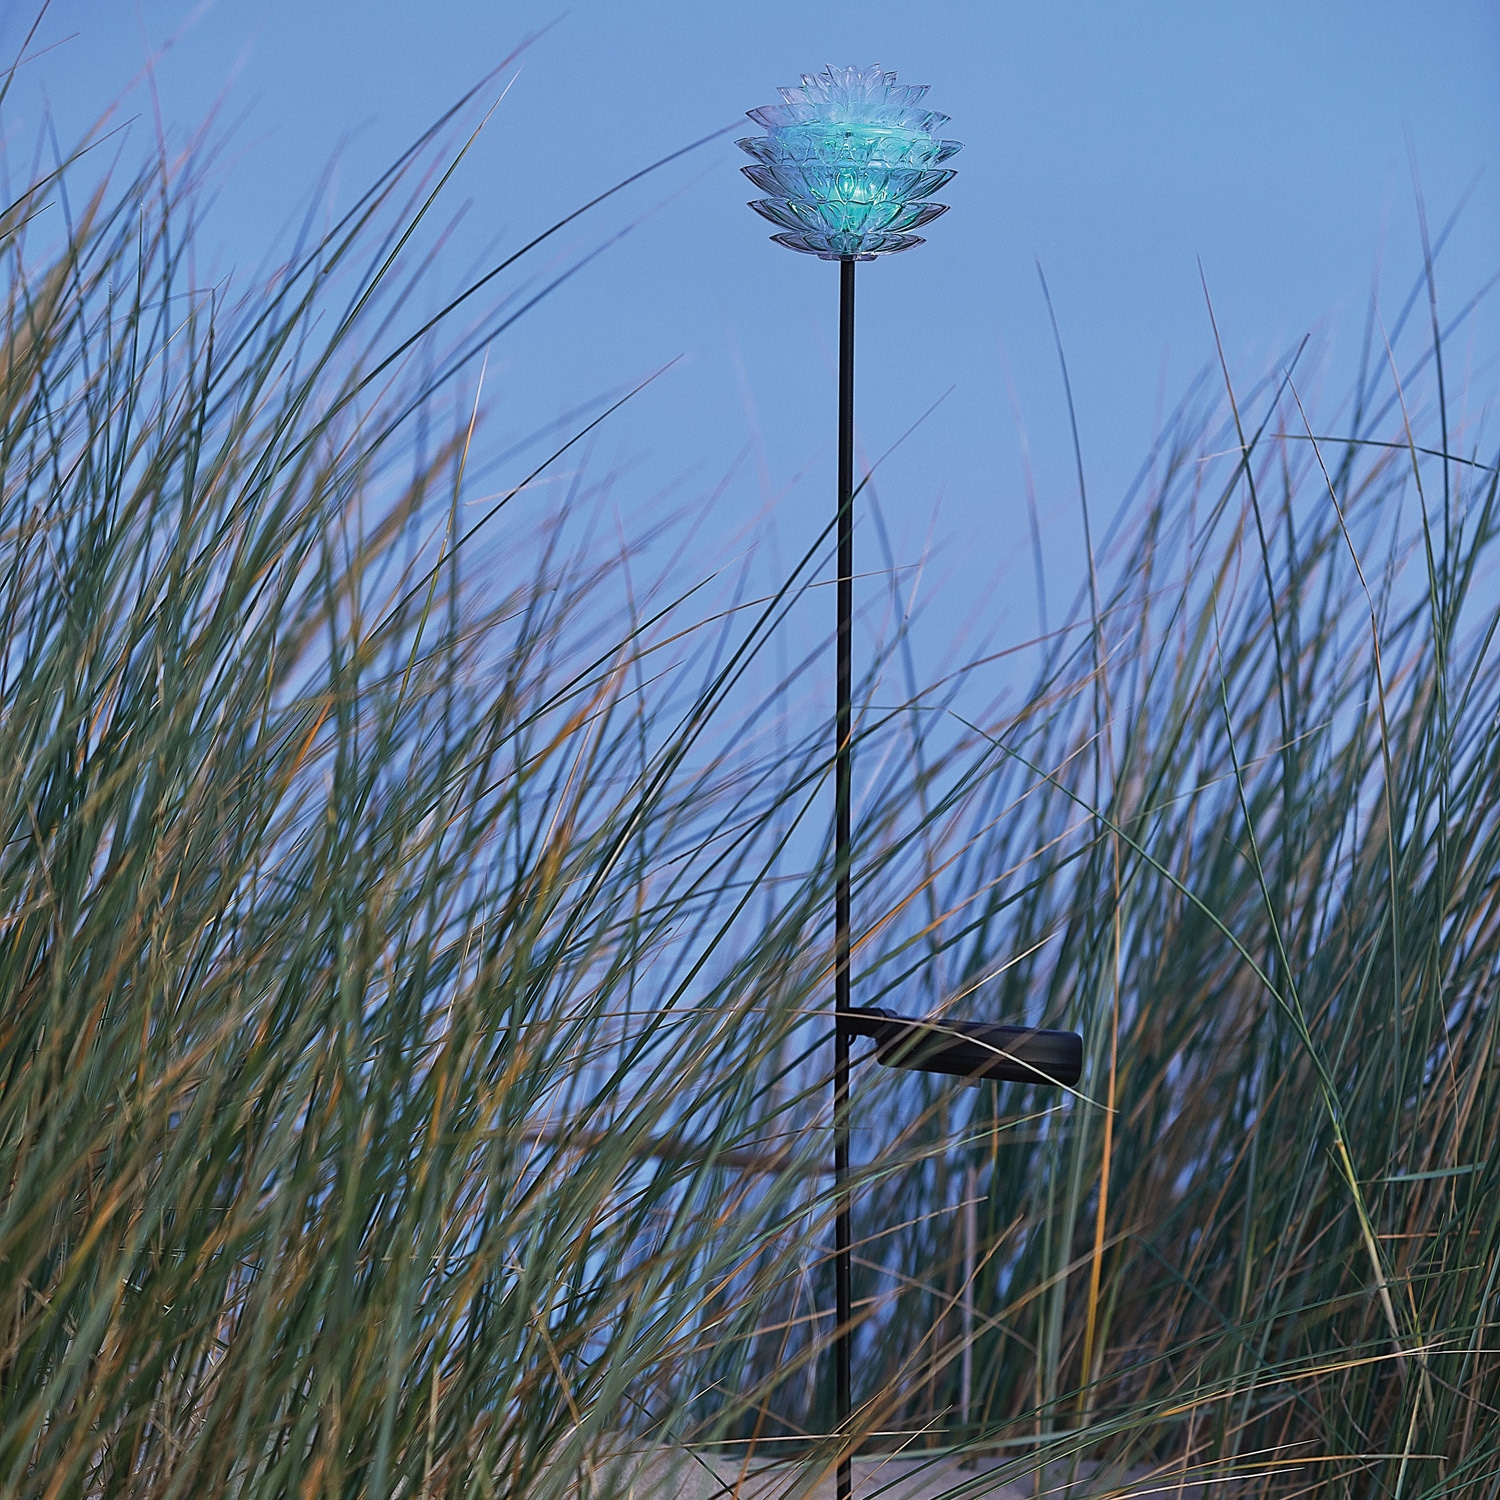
{"points": [[848, 162]]}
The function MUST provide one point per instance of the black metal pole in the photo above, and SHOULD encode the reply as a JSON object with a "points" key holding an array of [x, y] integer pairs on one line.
{"points": [[843, 785]]}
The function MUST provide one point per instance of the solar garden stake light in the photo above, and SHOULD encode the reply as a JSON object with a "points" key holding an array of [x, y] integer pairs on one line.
{"points": [[848, 163]]}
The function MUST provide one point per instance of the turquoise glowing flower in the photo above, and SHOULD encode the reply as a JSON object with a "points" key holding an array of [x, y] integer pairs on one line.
{"points": [[848, 162]]}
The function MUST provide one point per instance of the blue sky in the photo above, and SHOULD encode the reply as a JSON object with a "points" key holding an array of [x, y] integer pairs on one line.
{"points": [[1119, 145]]}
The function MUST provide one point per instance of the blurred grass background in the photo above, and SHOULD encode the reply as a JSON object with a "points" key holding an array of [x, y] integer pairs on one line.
{"points": [[415, 928]]}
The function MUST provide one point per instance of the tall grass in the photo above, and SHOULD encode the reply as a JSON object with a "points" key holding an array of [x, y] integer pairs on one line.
{"points": [[371, 931], [415, 936], [1242, 833]]}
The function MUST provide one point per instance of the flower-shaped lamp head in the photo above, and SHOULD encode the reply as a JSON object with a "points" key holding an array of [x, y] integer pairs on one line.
{"points": [[848, 163]]}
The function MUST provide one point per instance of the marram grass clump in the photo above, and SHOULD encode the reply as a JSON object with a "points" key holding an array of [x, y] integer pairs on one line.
{"points": [[1243, 834], [366, 930]]}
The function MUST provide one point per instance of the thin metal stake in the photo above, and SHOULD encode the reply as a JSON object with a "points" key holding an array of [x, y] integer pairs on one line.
{"points": [[843, 785], [971, 1235]]}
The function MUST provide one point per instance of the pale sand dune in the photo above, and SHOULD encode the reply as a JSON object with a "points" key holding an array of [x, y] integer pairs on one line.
{"points": [[684, 1476]]}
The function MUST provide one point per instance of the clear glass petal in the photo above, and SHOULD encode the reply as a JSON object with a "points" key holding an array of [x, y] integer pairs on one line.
{"points": [[915, 215], [778, 211], [765, 179]]}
